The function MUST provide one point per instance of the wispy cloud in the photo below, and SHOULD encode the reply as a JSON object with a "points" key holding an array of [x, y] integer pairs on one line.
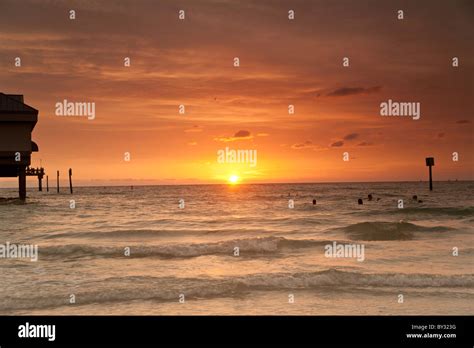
{"points": [[351, 136], [194, 129], [240, 135], [304, 145], [365, 143], [347, 91]]}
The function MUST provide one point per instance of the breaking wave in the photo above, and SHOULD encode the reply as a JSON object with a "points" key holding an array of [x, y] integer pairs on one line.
{"points": [[446, 211], [264, 245], [123, 289], [381, 230]]}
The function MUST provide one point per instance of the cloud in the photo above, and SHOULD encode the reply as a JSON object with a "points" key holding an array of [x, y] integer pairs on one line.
{"points": [[195, 129], [306, 145], [263, 134], [337, 144], [240, 135], [351, 136], [346, 91], [463, 121], [365, 143]]}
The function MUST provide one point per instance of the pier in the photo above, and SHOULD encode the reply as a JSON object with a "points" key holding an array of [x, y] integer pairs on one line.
{"points": [[17, 121], [39, 173]]}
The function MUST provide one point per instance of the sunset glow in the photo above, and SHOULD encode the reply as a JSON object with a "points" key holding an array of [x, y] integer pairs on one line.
{"points": [[181, 99], [233, 179]]}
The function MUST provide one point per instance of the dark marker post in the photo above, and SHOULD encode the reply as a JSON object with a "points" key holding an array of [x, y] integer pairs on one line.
{"points": [[57, 181], [47, 184], [70, 180], [430, 163]]}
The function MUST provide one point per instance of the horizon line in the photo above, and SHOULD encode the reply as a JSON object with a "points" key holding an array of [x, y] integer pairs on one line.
{"points": [[264, 183]]}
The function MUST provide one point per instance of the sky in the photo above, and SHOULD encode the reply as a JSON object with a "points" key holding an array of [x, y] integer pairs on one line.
{"points": [[283, 62]]}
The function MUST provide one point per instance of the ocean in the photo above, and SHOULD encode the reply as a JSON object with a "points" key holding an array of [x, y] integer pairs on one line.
{"points": [[240, 250]]}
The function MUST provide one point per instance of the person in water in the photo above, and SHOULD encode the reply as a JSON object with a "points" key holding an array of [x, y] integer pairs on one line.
{"points": [[359, 201], [370, 197], [415, 198], [314, 202]]}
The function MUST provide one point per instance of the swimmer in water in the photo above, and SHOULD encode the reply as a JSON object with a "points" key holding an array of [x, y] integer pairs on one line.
{"points": [[359, 201], [370, 197], [314, 202]]}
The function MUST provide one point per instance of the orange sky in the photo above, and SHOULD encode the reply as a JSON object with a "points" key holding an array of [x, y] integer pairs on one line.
{"points": [[282, 62]]}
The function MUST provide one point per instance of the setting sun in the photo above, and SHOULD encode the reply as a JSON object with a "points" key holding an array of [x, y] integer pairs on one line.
{"points": [[233, 179]]}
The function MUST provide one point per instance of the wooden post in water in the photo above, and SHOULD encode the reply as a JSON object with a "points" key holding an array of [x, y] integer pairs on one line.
{"points": [[70, 180], [22, 182], [430, 163], [47, 184], [57, 181], [40, 173]]}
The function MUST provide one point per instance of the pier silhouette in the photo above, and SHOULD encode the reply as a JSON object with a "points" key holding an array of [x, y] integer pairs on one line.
{"points": [[17, 121]]}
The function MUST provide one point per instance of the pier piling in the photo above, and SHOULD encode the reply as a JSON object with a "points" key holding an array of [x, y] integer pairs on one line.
{"points": [[22, 182], [70, 180]]}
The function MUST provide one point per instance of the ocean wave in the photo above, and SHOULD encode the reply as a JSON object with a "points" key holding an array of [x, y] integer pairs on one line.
{"points": [[11, 201], [124, 289], [144, 233], [381, 230], [262, 245], [449, 211]]}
